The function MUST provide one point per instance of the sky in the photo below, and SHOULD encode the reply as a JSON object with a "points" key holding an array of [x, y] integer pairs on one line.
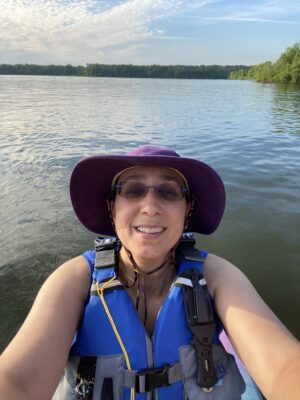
{"points": [[77, 32]]}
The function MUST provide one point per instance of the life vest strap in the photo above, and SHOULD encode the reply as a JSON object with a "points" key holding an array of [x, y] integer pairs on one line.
{"points": [[105, 252], [184, 281], [115, 284], [187, 250], [150, 379], [201, 322]]}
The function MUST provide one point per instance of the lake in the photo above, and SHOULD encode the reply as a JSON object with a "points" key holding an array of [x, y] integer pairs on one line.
{"points": [[249, 132]]}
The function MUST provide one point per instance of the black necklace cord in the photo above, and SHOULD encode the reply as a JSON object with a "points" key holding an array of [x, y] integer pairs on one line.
{"points": [[140, 278], [140, 271], [117, 268], [130, 285]]}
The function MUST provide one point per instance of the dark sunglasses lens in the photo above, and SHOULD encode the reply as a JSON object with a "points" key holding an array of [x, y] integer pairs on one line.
{"points": [[132, 190], [170, 191]]}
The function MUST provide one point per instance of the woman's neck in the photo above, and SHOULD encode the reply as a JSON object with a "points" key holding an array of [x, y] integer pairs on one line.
{"points": [[147, 290], [156, 276]]}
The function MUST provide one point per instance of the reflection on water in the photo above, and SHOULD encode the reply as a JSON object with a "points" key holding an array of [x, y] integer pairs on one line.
{"points": [[286, 103], [249, 132]]}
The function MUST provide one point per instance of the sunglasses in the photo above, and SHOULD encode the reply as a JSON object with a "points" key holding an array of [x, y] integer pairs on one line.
{"points": [[169, 191]]}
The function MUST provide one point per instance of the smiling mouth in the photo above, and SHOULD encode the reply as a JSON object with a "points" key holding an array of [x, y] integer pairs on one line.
{"points": [[147, 229]]}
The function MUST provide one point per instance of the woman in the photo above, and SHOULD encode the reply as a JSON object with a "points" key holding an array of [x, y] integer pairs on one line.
{"points": [[145, 285]]}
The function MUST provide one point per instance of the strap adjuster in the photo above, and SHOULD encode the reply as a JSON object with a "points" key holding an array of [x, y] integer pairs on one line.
{"points": [[150, 379]]}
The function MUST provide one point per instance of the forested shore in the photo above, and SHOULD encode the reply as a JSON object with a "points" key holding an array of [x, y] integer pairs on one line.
{"points": [[125, 71], [285, 70]]}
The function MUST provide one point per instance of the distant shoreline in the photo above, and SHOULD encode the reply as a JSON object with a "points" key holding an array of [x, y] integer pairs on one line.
{"points": [[125, 70], [285, 70]]}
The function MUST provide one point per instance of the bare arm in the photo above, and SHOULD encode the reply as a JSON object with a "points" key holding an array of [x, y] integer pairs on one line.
{"points": [[32, 364], [269, 351]]}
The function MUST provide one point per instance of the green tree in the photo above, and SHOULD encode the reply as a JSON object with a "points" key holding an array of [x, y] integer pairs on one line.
{"points": [[285, 69]]}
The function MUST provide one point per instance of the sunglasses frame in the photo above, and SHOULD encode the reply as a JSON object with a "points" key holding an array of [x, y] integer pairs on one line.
{"points": [[184, 191]]}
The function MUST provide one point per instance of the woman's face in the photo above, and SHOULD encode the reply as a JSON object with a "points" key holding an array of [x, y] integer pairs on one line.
{"points": [[149, 226]]}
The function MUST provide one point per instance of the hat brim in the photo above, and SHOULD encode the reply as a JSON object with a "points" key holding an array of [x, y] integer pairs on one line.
{"points": [[92, 177]]}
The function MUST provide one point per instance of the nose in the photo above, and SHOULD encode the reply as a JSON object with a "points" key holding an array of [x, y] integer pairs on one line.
{"points": [[150, 203]]}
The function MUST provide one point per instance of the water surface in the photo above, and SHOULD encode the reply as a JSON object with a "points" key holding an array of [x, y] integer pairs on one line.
{"points": [[249, 132]]}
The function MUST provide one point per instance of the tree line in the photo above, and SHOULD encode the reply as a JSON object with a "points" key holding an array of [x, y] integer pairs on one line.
{"points": [[125, 71], [285, 70]]}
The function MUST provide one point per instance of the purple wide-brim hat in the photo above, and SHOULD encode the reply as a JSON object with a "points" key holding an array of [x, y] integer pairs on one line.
{"points": [[92, 177]]}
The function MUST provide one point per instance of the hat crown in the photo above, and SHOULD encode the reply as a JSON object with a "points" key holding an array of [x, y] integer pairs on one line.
{"points": [[152, 150]]}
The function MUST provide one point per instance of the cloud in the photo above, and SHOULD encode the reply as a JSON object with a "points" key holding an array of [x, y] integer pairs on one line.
{"points": [[69, 29], [114, 31]]}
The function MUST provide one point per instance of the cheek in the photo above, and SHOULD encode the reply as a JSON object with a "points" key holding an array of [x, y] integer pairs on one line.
{"points": [[122, 213], [179, 217]]}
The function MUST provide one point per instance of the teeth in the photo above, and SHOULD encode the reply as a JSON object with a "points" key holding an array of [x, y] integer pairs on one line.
{"points": [[146, 229]]}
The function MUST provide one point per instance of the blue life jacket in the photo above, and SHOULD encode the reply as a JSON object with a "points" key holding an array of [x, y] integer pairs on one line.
{"points": [[128, 364]]}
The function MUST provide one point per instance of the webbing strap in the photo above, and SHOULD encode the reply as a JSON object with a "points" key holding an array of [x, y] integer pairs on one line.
{"points": [[105, 252], [181, 281], [105, 285], [147, 380], [105, 258]]}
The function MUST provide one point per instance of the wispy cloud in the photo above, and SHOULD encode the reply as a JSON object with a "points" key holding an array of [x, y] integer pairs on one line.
{"points": [[250, 19], [271, 11]]}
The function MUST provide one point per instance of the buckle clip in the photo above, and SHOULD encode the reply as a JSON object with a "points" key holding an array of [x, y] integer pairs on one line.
{"points": [[150, 379], [188, 237]]}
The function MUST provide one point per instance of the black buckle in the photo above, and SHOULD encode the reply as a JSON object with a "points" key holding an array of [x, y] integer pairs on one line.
{"points": [[188, 237], [150, 379]]}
